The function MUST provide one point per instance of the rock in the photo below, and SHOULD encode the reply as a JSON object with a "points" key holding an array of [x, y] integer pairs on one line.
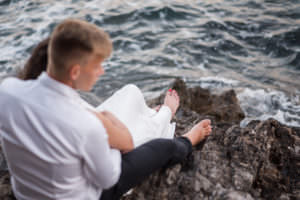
{"points": [[236, 195], [236, 164], [172, 175], [260, 161], [223, 108], [204, 184], [5, 186]]}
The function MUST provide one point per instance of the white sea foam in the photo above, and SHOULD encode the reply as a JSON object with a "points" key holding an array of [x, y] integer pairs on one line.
{"points": [[262, 105], [220, 79], [216, 82], [202, 67]]}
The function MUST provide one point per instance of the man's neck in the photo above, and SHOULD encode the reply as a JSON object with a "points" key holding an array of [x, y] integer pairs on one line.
{"points": [[62, 80]]}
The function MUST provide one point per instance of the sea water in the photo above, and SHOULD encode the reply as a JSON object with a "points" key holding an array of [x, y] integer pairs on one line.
{"points": [[251, 46]]}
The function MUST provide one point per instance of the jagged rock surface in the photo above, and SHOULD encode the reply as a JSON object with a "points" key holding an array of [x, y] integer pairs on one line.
{"points": [[260, 161], [222, 108]]}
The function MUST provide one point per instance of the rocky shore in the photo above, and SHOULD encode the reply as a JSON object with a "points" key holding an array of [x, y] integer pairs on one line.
{"points": [[260, 161]]}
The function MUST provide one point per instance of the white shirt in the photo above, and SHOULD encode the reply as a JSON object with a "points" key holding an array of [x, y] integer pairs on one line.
{"points": [[55, 148]]}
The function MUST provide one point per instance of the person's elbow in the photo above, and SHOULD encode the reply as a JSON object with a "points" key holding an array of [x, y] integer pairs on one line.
{"points": [[108, 176], [111, 180]]}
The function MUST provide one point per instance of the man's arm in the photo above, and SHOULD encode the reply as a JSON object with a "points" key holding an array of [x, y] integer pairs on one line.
{"points": [[119, 136], [102, 165]]}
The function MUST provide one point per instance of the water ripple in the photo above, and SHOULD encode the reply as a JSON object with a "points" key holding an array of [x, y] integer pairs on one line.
{"points": [[254, 43]]}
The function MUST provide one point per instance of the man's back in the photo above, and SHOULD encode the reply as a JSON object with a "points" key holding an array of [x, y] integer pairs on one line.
{"points": [[52, 144]]}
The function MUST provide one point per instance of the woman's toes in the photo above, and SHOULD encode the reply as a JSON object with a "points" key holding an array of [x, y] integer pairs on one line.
{"points": [[208, 131], [205, 122], [176, 96]]}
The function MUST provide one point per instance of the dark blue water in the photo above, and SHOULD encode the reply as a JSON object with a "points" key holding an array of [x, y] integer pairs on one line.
{"points": [[251, 46]]}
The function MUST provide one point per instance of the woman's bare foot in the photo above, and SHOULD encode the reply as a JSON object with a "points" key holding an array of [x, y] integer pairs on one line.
{"points": [[199, 132], [172, 101]]}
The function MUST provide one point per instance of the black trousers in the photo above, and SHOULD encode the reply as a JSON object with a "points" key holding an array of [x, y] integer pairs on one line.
{"points": [[146, 159]]}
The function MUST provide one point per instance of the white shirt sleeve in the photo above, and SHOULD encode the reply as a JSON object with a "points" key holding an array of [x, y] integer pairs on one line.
{"points": [[102, 165]]}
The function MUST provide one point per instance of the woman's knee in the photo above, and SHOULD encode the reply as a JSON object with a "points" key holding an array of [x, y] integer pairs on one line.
{"points": [[130, 88]]}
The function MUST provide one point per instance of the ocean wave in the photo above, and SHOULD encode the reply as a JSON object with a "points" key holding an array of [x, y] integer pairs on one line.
{"points": [[261, 105], [217, 82], [220, 45]]}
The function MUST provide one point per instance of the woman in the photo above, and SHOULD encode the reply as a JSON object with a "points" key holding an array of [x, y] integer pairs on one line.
{"points": [[37, 63]]}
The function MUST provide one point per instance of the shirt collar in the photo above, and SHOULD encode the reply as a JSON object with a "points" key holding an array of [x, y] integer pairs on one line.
{"points": [[57, 86]]}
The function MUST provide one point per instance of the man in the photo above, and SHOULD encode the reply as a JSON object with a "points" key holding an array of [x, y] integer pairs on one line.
{"points": [[58, 149]]}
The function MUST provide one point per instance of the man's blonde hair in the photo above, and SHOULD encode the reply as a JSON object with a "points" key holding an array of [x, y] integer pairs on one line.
{"points": [[74, 41]]}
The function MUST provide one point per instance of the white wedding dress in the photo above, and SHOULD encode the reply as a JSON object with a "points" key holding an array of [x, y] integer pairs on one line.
{"points": [[144, 124]]}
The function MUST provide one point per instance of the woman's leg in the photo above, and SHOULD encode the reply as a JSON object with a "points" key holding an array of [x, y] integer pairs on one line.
{"points": [[146, 159], [153, 155], [128, 99]]}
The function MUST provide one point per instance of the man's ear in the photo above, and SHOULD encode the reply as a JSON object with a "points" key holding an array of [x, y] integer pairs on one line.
{"points": [[74, 72]]}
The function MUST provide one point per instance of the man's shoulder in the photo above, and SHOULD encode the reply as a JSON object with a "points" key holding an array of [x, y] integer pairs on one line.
{"points": [[8, 82], [90, 124], [12, 83]]}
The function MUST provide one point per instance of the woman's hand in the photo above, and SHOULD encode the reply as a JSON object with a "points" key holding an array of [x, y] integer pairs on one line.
{"points": [[113, 119], [119, 136]]}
